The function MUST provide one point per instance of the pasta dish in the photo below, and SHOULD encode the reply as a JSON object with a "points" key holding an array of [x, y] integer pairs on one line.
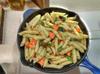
{"points": [[53, 40]]}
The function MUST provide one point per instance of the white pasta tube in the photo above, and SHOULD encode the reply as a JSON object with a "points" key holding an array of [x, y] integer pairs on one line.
{"points": [[37, 46], [75, 31], [83, 41], [37, 37], [47, 40], [83, 35], [73, 35], [46, 62], [66, 42], [49, 17], [65, 26], [74, 56], [26, 54], [59, 61], [53, 50], [43, 17], [60, 45], [43, 53], [56, 33], [71, 18], [31, 53], [50, 24], [67, 50], [81, 45], [49, 50], [35, 20], [44, 30], [77, 46], [56, 14], [71, 22], [23, 41], [53, 66], [78, 55], [65, 63], [56, 44], [54, 57], [28, 32]]}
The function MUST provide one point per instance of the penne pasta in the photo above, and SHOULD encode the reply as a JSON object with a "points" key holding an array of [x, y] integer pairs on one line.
{"points": [[23, 42], [74, 56], [45, 63], [77, 46], [47, 40], [66, 42], [49, 50], [35, 20], [37, 46], [26, 54], [28, 32], [53, 50], [56, 44], [56, 33], [54, 66], [78, 55], [66, 50], [44, 30], [81, 45], [59, 61], [66, 63]]}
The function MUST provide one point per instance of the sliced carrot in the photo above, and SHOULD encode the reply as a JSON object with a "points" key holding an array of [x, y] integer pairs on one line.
{"points": [[30, 45], [33, 42], [41, 61], [51, 35], [78, 29], [55, 27], [69, 53]]}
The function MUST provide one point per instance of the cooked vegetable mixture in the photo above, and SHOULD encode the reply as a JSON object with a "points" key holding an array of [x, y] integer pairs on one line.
{"points": [[53, 40]]}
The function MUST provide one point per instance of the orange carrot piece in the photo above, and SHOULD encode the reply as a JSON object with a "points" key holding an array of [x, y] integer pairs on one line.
{"points": [[41, 61], [51, 35], [33, 42], [69, 53], [55, 27], [78, 29]]}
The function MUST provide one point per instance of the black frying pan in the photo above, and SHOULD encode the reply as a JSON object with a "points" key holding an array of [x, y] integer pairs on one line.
{"points": [[37, 66]]}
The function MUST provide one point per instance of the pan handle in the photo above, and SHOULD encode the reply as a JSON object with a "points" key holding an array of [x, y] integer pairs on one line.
{"points": [[87, 64], [28, 12]]}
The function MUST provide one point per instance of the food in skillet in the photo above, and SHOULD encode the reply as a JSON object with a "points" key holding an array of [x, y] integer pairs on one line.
{"points": [[53, 40]]}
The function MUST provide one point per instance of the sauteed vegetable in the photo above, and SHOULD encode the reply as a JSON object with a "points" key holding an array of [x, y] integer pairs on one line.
{"points": [[53, 40]]}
